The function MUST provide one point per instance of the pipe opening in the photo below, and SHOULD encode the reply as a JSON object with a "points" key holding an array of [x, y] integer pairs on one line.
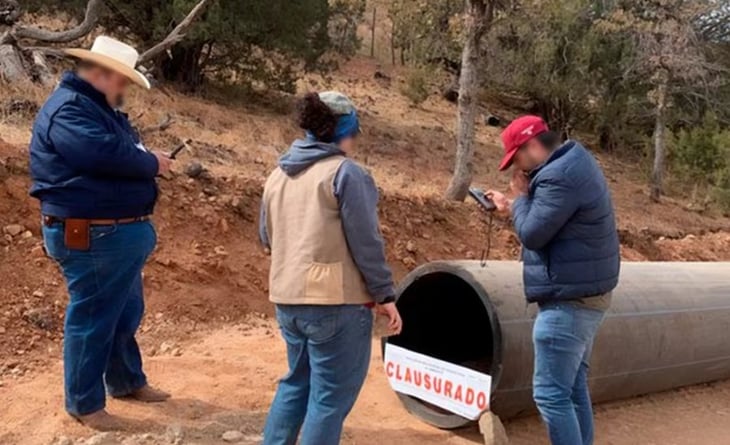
{"points": [[444, 317], [447, 317]]}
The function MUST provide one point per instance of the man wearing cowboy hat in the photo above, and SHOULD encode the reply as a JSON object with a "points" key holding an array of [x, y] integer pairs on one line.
{"points": [[564, 217], [96, 184]]}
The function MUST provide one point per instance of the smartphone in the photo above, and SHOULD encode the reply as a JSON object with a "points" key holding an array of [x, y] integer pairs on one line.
{"points": [[486, 203]]}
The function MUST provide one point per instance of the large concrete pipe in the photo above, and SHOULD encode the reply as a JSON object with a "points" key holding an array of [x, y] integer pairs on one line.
{"points": [[668, 327]]}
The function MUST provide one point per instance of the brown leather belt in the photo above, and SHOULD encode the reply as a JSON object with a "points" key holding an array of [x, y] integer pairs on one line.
{"points": [[50, 220]]}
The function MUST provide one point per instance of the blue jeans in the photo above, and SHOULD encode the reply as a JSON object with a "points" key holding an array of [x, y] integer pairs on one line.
{"points": [[563, 337], [104, 311], [328, 348]]}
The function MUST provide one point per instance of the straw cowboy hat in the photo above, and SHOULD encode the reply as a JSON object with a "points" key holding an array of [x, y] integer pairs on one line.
{"points": [[114, 55]]}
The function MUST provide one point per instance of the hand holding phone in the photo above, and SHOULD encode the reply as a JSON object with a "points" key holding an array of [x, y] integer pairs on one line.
{"points": [[484, 201]]}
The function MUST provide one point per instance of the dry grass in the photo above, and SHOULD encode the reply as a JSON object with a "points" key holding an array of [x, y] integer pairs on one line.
{"points": [[18, 105]]}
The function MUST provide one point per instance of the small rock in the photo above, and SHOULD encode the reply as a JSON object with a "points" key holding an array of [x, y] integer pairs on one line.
{"points": [[177, 352], [174, 434], [14, 229], [224, 225], [102, 439], [27, 234], [411, 247], [42, 318], [232, 436], [194, 169], [39, 294], [63, 440], [409, 262], [2, 329], [163, 261], [166, 347], [220, 250]]}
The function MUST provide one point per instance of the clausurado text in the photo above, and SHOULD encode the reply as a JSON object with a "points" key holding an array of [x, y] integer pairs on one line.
{"points": [[454, 388]]}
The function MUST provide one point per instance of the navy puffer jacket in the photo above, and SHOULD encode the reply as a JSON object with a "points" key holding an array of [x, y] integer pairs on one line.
{"points": [[567, 227], [86, 160]]}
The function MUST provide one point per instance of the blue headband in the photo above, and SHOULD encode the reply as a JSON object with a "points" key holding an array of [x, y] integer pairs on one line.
{"points": [[348, 125]]}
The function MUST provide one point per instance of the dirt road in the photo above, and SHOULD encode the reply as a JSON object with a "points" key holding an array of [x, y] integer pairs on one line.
{"points": [[224, 380]]}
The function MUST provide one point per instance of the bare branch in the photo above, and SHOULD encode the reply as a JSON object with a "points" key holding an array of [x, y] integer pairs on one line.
{"points": [[47, 51], [93, 11], [176, 35]]}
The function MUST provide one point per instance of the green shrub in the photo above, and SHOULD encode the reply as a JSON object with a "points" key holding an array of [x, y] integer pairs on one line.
{"points": [[416, 85], [700, 152], [701, 155]]}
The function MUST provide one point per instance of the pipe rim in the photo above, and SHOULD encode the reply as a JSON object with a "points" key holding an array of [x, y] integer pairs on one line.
{"points": [[415, 406]]}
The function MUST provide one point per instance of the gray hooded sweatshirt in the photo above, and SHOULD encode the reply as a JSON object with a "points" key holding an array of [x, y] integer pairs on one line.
{"points": [[358, 198]]}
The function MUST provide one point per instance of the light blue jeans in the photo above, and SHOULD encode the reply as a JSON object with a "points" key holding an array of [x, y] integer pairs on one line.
{"points": [[563, 338], [328, 349], [104, 311]]}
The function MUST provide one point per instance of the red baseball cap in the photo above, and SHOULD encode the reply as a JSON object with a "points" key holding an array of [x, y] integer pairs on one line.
{"points": [[517, 133]]}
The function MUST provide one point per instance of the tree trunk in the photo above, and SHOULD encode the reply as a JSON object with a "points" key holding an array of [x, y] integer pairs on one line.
{"points": [[657, 174], [478, 18], [392, 44], [41, 71], [372, 35], [11, 64], [184, 65]]}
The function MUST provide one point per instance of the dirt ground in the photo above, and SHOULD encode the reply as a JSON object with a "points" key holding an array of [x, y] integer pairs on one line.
{"points": [[206, 332], [223, 380]]}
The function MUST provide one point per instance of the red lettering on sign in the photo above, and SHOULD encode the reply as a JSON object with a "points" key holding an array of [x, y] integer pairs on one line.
{"points": [[397, 373], [417, 378], [458, 395], [469, 396], [447, 388], [437, 385], [482, 401], [427, 382], [389, 369]]}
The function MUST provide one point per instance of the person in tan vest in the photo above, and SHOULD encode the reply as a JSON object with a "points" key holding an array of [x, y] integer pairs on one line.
{"points": [[328, 271]]}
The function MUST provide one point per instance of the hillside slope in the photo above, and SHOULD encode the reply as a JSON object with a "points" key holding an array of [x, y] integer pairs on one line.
{"points": [[209, 271], [209, 266]]}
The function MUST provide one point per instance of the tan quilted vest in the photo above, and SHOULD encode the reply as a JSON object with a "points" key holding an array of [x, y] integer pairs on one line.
{"points": [[310, 260]]}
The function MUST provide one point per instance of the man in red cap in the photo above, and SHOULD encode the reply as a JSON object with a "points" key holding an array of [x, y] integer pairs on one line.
{"points": [[563, 215]]}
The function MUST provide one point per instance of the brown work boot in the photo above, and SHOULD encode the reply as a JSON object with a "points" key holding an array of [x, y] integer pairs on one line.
{"points": [[101, 421], [148, 394]]}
